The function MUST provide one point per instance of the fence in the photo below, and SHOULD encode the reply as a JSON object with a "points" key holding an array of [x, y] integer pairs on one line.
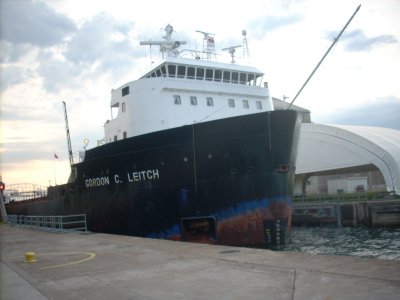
{"points": [[52, 223], [340, 197]]}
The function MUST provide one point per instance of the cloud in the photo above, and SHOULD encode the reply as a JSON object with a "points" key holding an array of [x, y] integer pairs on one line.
{"points": [[33, 23], [11, 75], [356, 40], [99, 40], [99, 46], [65, 55], [58, 74], [264, 24], [383, 112], [16, 153], [13, 52]]}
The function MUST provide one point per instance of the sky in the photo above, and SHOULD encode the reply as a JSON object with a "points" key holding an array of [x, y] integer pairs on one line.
{"points": [[78, 50]]}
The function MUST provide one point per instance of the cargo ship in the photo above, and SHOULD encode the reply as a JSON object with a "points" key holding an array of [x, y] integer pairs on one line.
{"points": [[195, 152]]}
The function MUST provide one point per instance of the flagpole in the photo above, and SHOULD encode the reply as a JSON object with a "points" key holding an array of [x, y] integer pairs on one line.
{"points": [[55, 172]]}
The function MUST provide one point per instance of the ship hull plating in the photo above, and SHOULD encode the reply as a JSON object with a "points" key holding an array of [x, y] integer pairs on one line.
{"points": [[228, 182]]}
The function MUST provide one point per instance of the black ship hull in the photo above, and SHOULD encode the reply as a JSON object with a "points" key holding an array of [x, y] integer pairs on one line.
{"points": [[228, 181]]}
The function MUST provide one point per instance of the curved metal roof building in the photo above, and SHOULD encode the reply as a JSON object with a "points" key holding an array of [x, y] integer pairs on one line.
{"points": [[332, 147]]}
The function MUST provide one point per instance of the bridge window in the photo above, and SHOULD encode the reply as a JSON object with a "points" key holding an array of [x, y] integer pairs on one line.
{"points": [[125, 135], [115, 138], [200, 73], [181, 71], [190, 72], [227, 76], [163, 71], [218, 75], [210, 101], [231, 102], [259, 105], [125, 91], [245, 103], [171, 70], [209, 74], [250, 79], [243, 78], [235, 77], [158, 72]]}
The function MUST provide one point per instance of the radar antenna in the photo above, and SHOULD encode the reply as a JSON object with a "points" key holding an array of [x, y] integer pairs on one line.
{"points": [[169, 46], [208, 44], [232, 51]]}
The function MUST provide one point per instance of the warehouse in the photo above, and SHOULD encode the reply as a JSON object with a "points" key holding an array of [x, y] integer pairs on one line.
{"points": [[335, 158]]}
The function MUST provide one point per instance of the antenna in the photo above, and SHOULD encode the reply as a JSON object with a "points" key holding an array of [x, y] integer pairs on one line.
{"points": [[246, 53], [326, 53], [208, 44], [168, 46], [232, 51]]}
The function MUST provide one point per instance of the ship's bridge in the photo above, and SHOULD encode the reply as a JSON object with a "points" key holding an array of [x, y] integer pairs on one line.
{"points": [[183, 91], [207, 70]]}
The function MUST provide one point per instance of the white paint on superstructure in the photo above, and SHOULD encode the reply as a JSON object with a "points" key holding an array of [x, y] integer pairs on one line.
{"points": [[204, 88]]}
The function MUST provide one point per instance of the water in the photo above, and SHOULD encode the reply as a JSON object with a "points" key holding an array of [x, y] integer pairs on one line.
{"points": [[353, 241]]}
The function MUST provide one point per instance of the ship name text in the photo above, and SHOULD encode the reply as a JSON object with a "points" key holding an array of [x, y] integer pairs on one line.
{"points": [[98, 181], [130, 176], [143, 175]]}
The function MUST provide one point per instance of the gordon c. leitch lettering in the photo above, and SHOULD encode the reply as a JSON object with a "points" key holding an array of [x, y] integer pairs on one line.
{"points": [[143, 175], [98, 181]]}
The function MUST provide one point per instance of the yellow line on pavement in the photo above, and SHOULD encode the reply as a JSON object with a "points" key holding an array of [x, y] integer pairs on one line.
{"points": [[91, 255]]}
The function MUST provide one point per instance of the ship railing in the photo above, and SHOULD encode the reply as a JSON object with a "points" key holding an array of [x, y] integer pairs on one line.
{"points": [[51, 223]]}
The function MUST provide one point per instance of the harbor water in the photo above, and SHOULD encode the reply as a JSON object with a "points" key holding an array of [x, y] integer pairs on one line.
{"points": [[351, 241]]}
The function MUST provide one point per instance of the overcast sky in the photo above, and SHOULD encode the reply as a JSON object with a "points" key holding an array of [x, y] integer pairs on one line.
{"points": [[78, 50]]}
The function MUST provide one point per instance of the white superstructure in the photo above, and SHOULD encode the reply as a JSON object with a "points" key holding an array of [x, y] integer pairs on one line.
{"points": [[181, 91]]}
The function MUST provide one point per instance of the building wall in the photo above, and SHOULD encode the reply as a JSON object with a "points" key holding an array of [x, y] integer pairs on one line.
{"points": [[326, 183]]}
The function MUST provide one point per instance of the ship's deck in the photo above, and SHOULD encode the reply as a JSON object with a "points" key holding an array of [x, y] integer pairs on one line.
{"points": [[102, 266]]}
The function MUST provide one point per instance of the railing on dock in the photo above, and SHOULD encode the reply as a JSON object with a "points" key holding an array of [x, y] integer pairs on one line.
{"points": [[378, 213], [51, 223], [341, 196]]}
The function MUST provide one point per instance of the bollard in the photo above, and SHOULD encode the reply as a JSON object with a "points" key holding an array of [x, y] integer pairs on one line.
{"points": [[30, 257]]}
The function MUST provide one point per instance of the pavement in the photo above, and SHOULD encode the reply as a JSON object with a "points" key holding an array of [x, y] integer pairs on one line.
{"points": [[104, 266]]}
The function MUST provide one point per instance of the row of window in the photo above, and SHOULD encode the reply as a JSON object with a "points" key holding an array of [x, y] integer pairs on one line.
{"points": [[124, 136], [210, 102], [200, 73]]}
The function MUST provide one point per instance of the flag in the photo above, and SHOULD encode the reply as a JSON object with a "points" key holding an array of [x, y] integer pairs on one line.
{"points": [[55, 156]]}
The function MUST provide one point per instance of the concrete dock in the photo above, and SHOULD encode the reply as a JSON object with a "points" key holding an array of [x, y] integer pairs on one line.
{"points": [[102, 266]]}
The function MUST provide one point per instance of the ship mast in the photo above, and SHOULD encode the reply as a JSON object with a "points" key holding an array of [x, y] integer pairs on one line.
{"points": [[208, 44], [246, 53], [71, 159], [168, 47], [326, 53]]}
